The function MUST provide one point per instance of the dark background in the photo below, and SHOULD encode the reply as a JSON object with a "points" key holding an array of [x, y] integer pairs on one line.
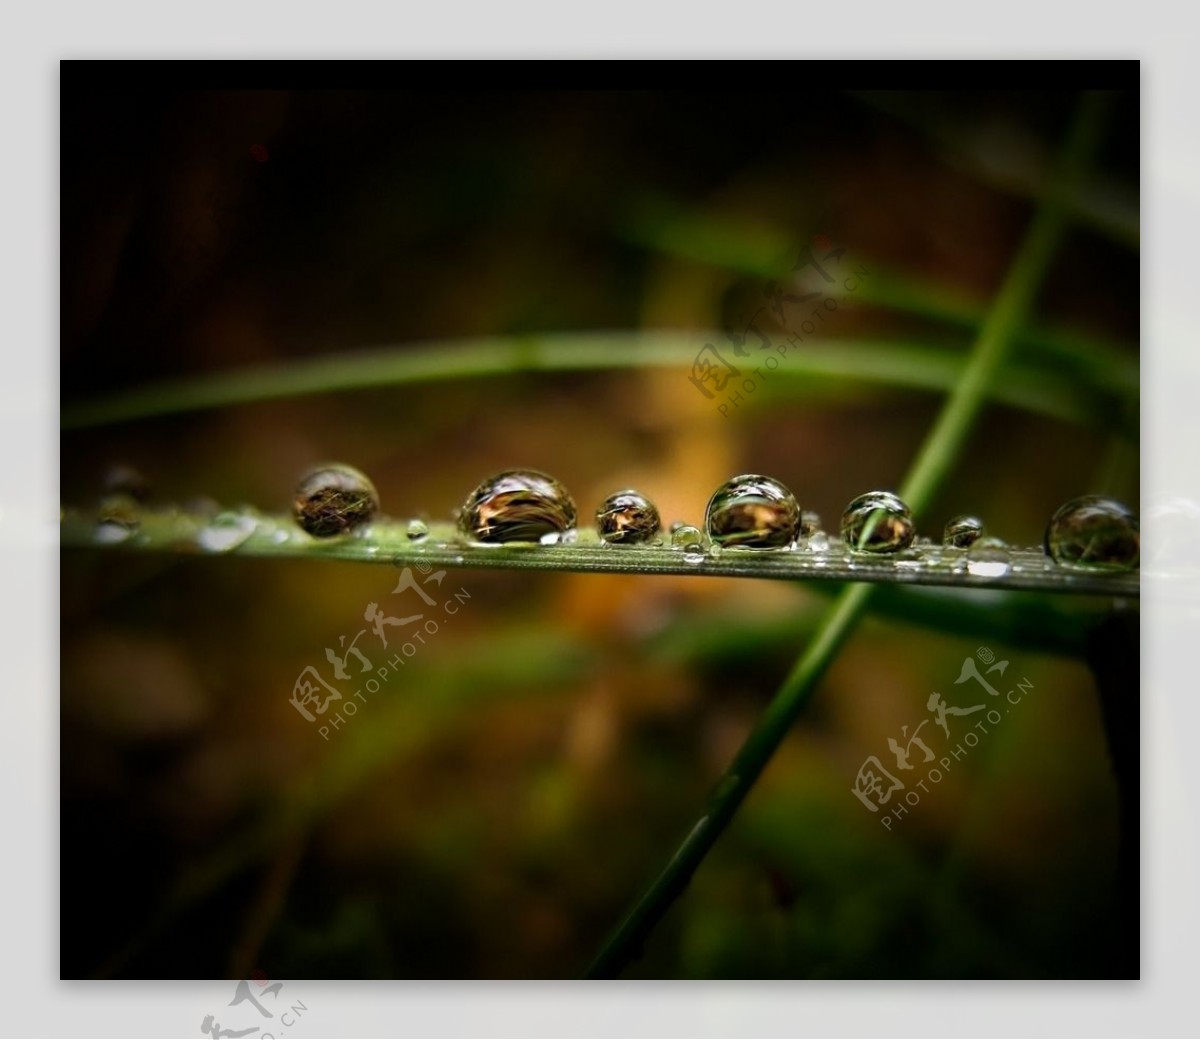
{"points": [[492, 815]]}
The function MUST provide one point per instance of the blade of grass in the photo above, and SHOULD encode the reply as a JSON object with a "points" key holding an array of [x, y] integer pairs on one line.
{"points": [[386, 542], [937, 455], [890, 364]]}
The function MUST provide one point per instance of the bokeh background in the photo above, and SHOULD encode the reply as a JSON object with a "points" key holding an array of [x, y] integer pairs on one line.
{"points": [[494, 810]]}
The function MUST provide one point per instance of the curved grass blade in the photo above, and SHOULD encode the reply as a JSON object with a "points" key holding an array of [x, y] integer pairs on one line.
{"points": [[388, 542], [1083, 397]]}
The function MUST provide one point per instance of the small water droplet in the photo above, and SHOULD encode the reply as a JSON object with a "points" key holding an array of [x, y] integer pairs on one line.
{"points": [[988, 558], [810, 523], [818, 542], [752, 512], [519, 505], [627, 518], [689, 539], [877, 522], [550, 538], [226, 531], [280, 536], [110, 532], [417, 529], [962, 532], [117, 518], [333, 500], [1093, 531]]}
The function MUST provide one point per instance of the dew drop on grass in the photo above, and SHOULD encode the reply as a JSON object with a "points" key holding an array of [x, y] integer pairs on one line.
{"points": [[878, 522], [1094, 531], [752, 512], [989, 558], [333, 500], [628, 518], [962, 532], [690, 541], [519, 505], [117, 519], [226, 531], [417, 529]]}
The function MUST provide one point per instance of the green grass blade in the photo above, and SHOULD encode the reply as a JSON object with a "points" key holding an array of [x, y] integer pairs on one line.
{"points": [[940, 450]]}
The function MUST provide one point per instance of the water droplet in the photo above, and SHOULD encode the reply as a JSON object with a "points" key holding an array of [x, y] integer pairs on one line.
{"points": [[550, 538], [117, 519], [877, 522], [1093, 531], [110, 532], [819, 542], [334, 499], [810, 523], [417, 529], [519, 505], [962, 532], [753, 512], [226, 531], [690, 541], [988, 558], [627, 518], [280, 536]]}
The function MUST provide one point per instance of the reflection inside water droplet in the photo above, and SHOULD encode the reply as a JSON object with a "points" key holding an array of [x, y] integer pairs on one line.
{"points": [[1093, 531], [752, 512], [690, 541], [989, 558], [333, 500], [628, 518], [226, 531], [517, 506], [877, 522], [962, 532]]}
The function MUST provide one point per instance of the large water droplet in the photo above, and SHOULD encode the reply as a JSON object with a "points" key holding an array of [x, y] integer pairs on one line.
{"points": [[1093, 531], [334, 499], [753, 512], [628, 518], [962, 532], [877, 522], [519, 505], [989, 558], [226, 531], [417, 529]]}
